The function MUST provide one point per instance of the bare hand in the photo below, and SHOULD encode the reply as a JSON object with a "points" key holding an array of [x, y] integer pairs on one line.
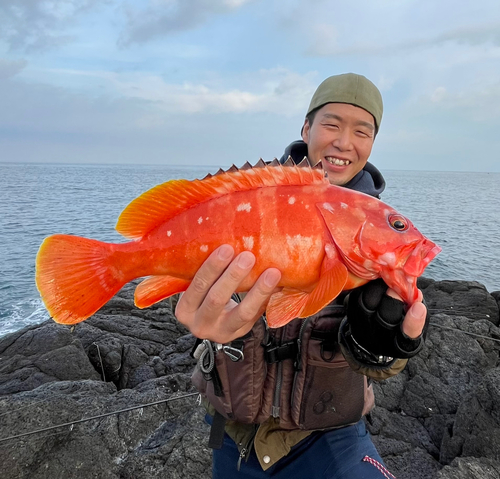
{"points": [[206, 308]]}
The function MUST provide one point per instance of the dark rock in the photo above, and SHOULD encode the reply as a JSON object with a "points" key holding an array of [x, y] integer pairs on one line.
{"points": [[476, 431], [496, 296], [438, 419], [144, 442], [466, 298], [471, 468], [417, 409], [38, 355]]}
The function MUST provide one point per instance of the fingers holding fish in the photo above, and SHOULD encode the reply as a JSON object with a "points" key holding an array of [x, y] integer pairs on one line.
{"points": [[208, 273], [414, 321], [206, 308], [254, 303], [379, 326]]}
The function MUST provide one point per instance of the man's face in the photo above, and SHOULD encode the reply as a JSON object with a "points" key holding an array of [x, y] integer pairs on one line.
{"points": [[341, 136]]}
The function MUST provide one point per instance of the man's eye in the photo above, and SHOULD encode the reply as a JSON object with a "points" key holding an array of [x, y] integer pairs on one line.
{"points": [[363, 133]]}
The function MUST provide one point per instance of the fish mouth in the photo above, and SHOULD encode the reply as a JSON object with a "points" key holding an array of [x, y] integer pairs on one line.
{"points": [[404, 280], [423, 253]]}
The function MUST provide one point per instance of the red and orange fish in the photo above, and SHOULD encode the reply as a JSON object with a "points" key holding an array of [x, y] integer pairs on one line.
{"points": [[324, 239]]}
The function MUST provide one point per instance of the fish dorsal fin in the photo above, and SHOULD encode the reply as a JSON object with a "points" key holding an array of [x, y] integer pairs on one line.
{"points": [[169, 199]]}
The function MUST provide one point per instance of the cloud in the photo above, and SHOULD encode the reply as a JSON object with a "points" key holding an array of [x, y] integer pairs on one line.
{"points": [[10, 68], [277, 90], [34, 25], [43, 123], [325, 41], [163, 17], [475, 104]]}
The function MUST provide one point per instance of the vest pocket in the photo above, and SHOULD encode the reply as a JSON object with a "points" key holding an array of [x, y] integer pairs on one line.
{"points": [[242, 382], [326, 392]]}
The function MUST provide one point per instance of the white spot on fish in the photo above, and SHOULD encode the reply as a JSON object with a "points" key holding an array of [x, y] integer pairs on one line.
{"points": [[299, 241], [291, 200], [388, 258], [200, 220], [307, 207], [206, 219], [248, 242], [328, 207], [169, 233], [367, 264], [244, 207], [343, 206], [204, 248]]}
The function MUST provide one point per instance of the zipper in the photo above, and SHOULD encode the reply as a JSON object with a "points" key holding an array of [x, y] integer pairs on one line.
{"points": [[275, 410], [298, 364], [245, 450], [243, 453]]}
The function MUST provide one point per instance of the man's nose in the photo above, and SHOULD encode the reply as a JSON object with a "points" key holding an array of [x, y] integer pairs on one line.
{"points": [[343, 140]]}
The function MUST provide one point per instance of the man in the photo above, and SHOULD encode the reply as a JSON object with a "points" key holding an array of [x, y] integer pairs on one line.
{"points": [[307, 418]]}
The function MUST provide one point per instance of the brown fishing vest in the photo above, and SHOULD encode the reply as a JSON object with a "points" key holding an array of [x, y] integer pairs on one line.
{"points": [[296, 373]]}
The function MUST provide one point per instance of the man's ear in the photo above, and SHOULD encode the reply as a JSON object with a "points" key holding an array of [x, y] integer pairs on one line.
{"points": [[305, 131]]}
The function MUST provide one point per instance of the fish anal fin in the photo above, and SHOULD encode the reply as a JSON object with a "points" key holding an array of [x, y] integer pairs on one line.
{"points": [[155, 288], [289, 303]]}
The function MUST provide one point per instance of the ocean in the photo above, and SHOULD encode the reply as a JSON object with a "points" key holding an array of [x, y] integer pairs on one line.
{"points": [[459, 211]]}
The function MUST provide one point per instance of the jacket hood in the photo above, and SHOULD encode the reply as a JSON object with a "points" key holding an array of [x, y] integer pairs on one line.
{"points": [[369, 180]]}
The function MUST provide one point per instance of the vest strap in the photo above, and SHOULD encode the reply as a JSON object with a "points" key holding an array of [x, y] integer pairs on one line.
{"points": [[216, 439]]}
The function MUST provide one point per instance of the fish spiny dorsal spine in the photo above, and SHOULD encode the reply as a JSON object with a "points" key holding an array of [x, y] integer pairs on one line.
{"points": [[169, 199]]}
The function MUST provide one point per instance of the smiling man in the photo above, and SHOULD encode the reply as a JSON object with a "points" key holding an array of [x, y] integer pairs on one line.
{"points": [[289, 402], [341, 123]]}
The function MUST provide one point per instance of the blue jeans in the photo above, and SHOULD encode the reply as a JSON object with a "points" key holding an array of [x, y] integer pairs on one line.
{"points": [[346, 453]]}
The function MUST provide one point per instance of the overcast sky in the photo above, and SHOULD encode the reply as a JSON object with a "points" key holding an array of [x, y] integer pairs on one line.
{"points": [[227, 81]]}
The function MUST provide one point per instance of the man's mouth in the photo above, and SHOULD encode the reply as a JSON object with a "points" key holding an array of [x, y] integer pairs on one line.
{"points": [[337, 161]]}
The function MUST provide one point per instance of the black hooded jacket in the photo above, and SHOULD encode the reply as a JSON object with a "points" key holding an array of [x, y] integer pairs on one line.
{"points": [[369, 180]]}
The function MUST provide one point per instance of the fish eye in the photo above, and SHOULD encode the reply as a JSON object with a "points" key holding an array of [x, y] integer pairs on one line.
{"points": [[397, 222]]}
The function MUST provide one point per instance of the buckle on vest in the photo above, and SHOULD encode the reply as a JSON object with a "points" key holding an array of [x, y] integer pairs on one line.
{"points": [[275, 354]]}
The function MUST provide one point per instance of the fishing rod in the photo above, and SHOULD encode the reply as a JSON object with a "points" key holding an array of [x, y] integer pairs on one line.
{"points": [[92, 418], [454, 312], [464, 332]]}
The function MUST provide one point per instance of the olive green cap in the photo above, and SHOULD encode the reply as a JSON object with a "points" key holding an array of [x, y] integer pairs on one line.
{"points": [[349, 88]]}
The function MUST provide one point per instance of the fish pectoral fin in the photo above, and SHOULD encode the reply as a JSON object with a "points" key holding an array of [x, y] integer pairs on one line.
{"points": [[290, 303], [331, 284], [156, 288], [285, 306]]}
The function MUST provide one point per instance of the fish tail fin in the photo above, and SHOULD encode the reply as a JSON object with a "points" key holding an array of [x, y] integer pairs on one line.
{"points": [[76, 276]]}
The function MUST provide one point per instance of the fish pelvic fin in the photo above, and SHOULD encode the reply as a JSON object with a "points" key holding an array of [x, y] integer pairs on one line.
{"points": [[289, 303], [76, 277], [169, 199], [155, 288]]}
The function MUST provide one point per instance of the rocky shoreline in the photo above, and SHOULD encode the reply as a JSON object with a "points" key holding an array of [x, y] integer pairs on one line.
{"points": [[439, 418]]}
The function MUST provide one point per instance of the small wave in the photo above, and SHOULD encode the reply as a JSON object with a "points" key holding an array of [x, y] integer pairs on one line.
{"points": [[25, 313]]}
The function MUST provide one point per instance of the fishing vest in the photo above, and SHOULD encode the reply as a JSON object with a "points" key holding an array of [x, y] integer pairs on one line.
{"points": [[296, 373]]}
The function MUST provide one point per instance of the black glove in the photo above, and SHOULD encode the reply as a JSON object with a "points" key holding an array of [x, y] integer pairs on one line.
{"points": [[372, 329]]}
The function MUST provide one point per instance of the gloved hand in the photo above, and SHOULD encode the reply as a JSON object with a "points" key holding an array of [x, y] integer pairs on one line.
{"points": [[374, 323]]}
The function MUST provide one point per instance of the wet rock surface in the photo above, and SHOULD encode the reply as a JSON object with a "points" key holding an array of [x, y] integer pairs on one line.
{"points": [[439, 418]]}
